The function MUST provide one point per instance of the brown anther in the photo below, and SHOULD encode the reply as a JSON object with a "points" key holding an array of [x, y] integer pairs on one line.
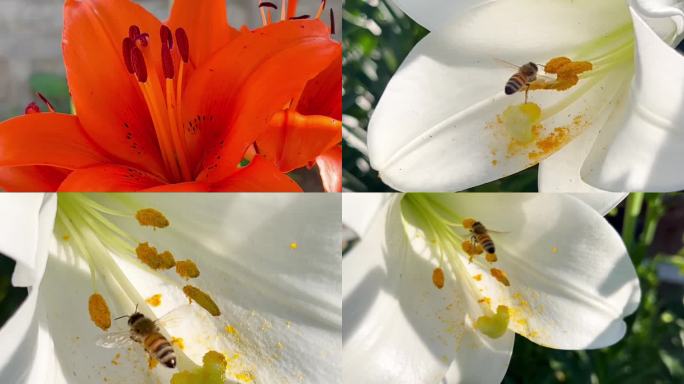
{"points": [[138, 62], [332, 22], [127, 51], [302, 17], [166, 36], [134, 32], [268, 4], [32, 107], [167, 62], [183, 44], [152, 218], [438, 277], [144, 39], [187, 269]]}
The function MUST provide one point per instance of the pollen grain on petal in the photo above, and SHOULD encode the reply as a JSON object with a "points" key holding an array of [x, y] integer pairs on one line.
{"points": [[154, 300], [187, 269], [99, 311], [202, 298], [438, 277], [152, 218], [179, 342]]}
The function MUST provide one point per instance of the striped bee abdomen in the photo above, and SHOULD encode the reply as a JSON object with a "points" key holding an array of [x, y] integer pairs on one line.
{"points": [[486, 243], [515, 83], [157, 345]]}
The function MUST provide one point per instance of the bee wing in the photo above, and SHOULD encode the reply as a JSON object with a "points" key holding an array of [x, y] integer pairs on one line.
{"points": [[499, 232], [506, 63], [120, 339], [175, 317]]}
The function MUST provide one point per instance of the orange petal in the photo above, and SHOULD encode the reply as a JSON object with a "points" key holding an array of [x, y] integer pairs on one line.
{"points": [[47, 139], [107, 98], [259, 176], [330, 166], [206, 26], [323, 94], [295, 140], [32, 178], [192, 186], [109, 178], [243, 85]]}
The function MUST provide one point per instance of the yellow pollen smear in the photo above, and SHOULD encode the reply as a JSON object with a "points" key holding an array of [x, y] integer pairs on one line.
{"points": [[519, 121], [152, 362], [154, 301], [148, 255], [491, 257], [485, 300], [495, 325], [152, 218], [438, 278], [187, 269], [203, 299], [231, 330], [500, 276], [99, 311], [178, 341], [212, 371], [478, 277], [66, 237], [246, 377], [293, 245]]}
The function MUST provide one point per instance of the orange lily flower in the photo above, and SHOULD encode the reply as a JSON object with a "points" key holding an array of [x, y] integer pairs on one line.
{"points": [[186, 105]]}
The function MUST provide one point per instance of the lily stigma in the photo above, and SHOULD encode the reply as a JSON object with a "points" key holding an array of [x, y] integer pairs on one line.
{"points": [[188, 104], [597, 80], [87, 229]]}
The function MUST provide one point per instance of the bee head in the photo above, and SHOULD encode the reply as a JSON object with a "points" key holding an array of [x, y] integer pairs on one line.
{"points": [[135, 317]]}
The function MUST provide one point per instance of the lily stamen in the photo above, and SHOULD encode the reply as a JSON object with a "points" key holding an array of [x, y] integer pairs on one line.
{"points": [[321, 8]]}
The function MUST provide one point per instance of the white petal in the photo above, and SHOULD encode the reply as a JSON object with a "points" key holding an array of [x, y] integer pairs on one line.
{"points": [[571, 280], [640, 148], [666, 17], [432, 14], [486, 363], [359, 209], [19, 230], [435, 127], [399, 328], [282, 300]]}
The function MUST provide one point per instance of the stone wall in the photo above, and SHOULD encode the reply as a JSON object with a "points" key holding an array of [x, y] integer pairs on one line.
{"points": [[30, 41]]}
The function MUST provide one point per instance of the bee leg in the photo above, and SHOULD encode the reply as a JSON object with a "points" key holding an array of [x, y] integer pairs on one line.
{"points": [[527, 90]]}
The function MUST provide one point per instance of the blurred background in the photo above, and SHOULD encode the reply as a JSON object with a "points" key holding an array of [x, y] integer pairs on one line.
{"points": [[652, 351], [377, 36], [31, 53]]}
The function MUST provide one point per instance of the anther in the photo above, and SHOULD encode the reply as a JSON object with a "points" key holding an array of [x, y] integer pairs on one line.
{"points": [[166, 36], [183, 44], [32, 107], [127, 48], [138, 63], [302, 17], [167, 61], [47, 102], [268, 4], [332, 22], [134, 32]]}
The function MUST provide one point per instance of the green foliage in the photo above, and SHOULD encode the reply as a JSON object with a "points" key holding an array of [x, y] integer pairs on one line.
{"points": [[651, 351], [54, 88]]}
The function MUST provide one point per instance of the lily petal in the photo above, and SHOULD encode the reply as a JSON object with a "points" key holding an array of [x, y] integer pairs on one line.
{"points": [[359, 210], [668, 10], [47, 139], [394, 334], [433, 14], [571, 280], [192, 186], [206, 26], [260, 175], [109, 178], [254, 88], [430, 134], [107, 98], [640, 146], [32, 178], [330, 167]]}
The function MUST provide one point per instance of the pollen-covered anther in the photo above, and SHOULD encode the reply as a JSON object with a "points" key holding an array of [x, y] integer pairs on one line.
{"points": [[99, 311], [150, 257], [183, 44], [494, 325], [202, 299], [438, 277], [491, 257], [567, 74], [187, 269], [152, 218], [500, 276]]}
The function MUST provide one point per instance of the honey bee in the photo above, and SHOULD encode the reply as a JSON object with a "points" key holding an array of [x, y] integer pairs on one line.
{"points": [[480, 235], [145, 331], [526, 74]]}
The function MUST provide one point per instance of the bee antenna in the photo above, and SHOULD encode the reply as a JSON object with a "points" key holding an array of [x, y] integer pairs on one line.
{"points": [[136, 307], [541, 65], [121, 317]]}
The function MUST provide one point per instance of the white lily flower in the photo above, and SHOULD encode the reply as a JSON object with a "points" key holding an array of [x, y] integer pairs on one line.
{"points": [[419, 309], [445, 124], [270, 263]]}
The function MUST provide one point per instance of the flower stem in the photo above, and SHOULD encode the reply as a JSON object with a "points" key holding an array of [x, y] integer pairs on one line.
{"points": [[632, 212]]}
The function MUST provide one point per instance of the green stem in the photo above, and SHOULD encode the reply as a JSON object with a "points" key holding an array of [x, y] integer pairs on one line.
{"points": [[632, 211]]}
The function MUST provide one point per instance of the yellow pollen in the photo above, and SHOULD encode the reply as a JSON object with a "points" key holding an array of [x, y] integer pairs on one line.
{"points": [[203, 299], [495, 325], [152, 362], [231, 330], [468, 223], [554, 250], [293, 245], [212, 371], [155, 300], [500, 276], [187, 269], [491, 257], [178, 341], [478, 277], [438, 278], [519, 120], [149, 256], [485, 300], [99, 311], [246, 377], [152, 218], [551, 143], [567, 74], [66, 237]]}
